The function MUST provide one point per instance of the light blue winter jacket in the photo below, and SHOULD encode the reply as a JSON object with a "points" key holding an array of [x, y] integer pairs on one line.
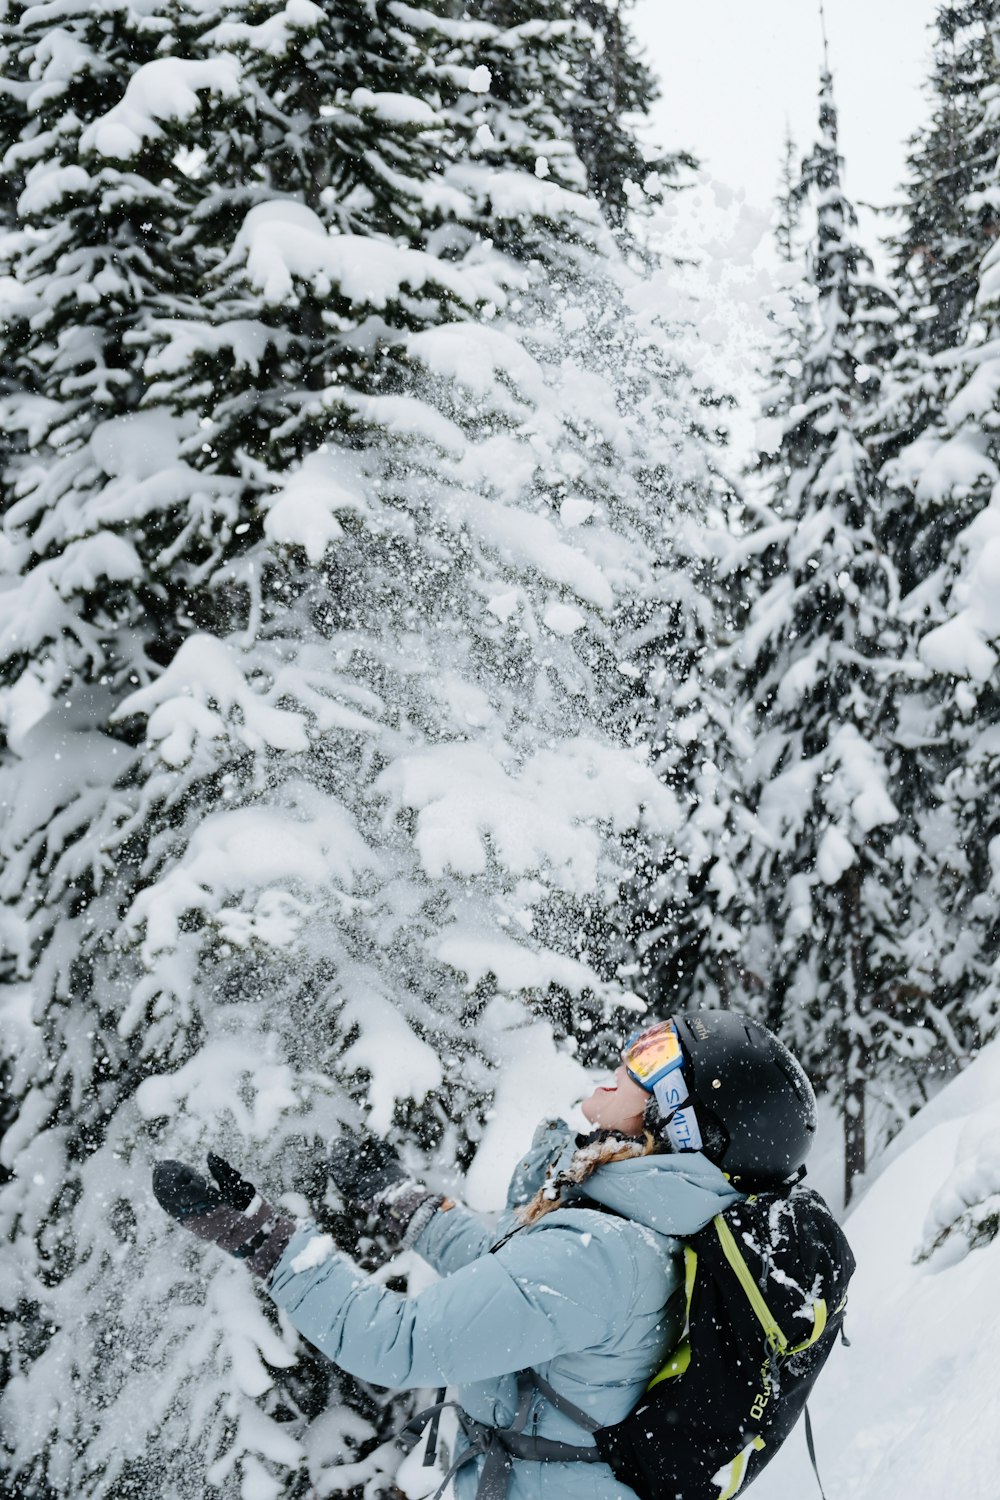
{"points": [[591, 1300]]}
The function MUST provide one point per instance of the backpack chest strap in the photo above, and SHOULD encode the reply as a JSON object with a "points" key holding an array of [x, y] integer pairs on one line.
{"points": [[500, 1446]]}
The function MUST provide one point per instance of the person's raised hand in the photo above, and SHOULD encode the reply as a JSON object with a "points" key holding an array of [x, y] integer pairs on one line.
{"points": [[363, 1167], [367, 1172], [228, 1212]]}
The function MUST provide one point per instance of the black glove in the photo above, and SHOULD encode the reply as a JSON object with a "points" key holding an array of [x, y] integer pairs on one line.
{"points": [[367, 1171], [363, 1167], [231, 1214]]}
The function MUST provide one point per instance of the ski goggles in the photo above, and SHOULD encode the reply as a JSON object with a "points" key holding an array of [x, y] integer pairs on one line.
{"points": [[653, 1059]]}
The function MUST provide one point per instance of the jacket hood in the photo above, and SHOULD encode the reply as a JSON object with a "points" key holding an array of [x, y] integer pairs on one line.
{"points": [[674, 1195]]}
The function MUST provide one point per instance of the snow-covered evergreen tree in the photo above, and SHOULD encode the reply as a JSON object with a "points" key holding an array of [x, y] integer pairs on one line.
{"points": [[953, 471], [788, 203], [949, 208], [950, 214], [597, 100], [710, 942], [12, 113], [615, 90], [813, 658], [683, 937], [936, 422], [688, 920], [339, 513]]}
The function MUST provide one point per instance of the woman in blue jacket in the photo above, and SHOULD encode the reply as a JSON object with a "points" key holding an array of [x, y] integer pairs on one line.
{"points": [[581, 1283]]}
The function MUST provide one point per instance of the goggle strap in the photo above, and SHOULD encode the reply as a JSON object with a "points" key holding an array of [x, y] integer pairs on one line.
{"points": [[676, 1106]]}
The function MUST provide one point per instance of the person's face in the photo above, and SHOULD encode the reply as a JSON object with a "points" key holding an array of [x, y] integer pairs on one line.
{"points": [[618, 1105]]}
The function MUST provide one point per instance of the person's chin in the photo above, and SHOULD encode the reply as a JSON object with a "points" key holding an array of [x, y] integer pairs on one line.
{"points": [[597, 1121]]}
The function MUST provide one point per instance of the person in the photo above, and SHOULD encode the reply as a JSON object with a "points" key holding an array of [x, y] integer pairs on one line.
{"points": [[582, 1281]]}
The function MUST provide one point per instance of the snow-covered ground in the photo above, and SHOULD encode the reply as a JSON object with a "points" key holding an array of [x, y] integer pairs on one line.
{"points": [[909, 1411]]}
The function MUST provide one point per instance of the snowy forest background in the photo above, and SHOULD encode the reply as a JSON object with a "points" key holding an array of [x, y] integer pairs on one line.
{"points": [[403, 683]]}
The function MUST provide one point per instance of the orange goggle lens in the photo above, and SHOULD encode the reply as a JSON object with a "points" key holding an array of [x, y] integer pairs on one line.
{"points": [[652, 1053]]}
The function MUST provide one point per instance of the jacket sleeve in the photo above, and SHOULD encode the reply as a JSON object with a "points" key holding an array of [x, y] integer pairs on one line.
{"points": [[553, 1140], [552, 1290], [455, 1236], [452, 1238]]}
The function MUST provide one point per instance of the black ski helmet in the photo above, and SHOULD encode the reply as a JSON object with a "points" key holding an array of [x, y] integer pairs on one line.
{"points": [[747, 1087]]}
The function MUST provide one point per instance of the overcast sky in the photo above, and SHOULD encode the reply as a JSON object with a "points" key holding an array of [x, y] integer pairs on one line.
{"points": [[733, 72]]}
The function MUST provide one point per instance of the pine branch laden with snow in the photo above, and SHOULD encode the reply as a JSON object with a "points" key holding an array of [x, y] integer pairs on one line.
{"points": [[964, 1213], [336, 510]]}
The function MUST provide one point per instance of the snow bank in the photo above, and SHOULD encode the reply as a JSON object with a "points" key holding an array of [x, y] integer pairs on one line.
{"points": [[909, 1412]]}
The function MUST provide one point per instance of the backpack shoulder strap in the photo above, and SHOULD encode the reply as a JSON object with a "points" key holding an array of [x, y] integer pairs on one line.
{"points": [[773, 1332], [575, 1413], [680, 1355], [731, 1250]]}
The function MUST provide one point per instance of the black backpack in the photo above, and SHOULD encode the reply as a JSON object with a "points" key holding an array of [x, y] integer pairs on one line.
{"points": [[766, 1285]]}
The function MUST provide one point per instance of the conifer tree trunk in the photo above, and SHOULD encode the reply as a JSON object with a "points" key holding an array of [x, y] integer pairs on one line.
{"points": [[855, 1070]]}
